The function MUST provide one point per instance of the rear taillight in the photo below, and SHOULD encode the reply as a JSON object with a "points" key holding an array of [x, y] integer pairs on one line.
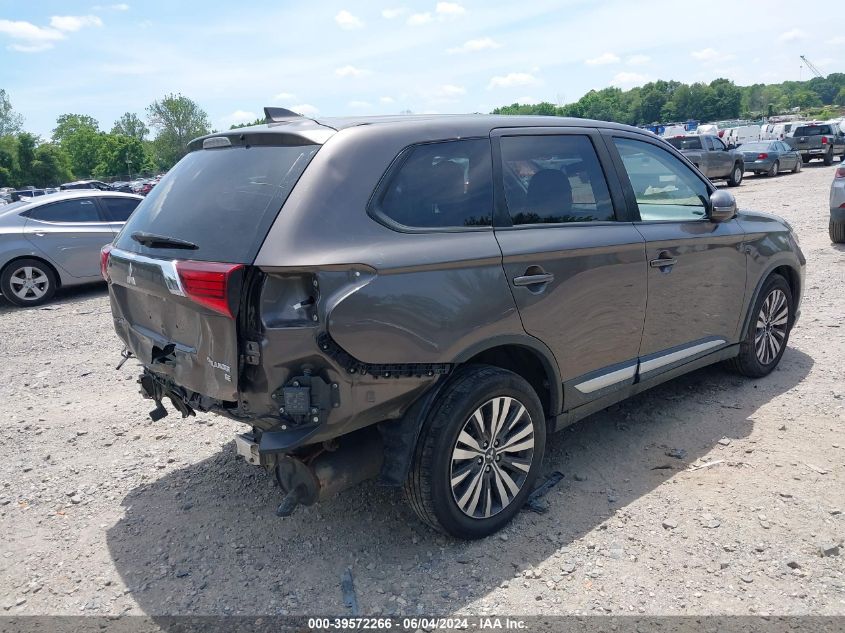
{"points": [[824, 140], [207, 283], [721, 133], [762, 156], [840, 172], [104, 261]]}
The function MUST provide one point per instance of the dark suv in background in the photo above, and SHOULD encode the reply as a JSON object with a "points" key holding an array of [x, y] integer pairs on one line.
{"points": [[424, 298]]}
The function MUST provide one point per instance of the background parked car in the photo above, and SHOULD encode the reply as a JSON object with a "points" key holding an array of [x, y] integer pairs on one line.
{"points": [[86, 184], [737, 136], [817, 140], [55, 240], [711, 156], [837, 206], [770, 157]]}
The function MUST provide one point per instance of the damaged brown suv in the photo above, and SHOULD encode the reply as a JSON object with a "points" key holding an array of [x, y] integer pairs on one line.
{"points": [[423, 298]]}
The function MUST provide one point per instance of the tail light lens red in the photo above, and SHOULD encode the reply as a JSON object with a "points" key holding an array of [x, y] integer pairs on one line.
{"points": [[840, 172], [824, 140], [762, 156], [207, 283], [104, 261]]}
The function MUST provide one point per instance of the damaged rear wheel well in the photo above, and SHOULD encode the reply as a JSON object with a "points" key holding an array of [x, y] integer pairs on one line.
{"points": [[526, 363]]}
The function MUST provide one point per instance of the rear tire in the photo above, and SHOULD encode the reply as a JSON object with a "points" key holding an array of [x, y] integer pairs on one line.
{"points": [[768, 334], [447, 487], [774, 169], [828, 158], [28, 282], [805, 158], [837, 232], [736, 176]]}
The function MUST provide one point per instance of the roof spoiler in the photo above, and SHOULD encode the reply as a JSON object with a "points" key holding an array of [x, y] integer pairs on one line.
{"points": [[277, 115]]}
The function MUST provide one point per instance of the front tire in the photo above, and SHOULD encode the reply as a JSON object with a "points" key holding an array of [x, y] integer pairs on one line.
{"points": [[28, 282], [479, 453], [736, 176], [768, 334]]}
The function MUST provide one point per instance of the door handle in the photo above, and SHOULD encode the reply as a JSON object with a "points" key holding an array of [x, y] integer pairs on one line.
{"points": [[533, 280], [663, 261]]}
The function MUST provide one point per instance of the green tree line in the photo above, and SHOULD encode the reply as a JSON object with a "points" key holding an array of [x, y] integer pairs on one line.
{"points": [[79, 149], [668, 101]]}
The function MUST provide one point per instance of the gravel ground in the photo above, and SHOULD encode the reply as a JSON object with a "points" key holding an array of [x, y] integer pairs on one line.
{"points": [[104, 512]]}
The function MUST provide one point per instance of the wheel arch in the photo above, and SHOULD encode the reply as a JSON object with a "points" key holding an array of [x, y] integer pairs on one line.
{"points": [[523, 355], [527, 357], [44, 261], [788, 272]]}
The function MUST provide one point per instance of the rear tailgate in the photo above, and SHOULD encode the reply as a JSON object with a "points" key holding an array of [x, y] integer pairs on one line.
{"points": [[170, 333], [176, 269]]}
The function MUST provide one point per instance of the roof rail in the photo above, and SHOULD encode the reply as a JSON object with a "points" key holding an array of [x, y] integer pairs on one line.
{"points": [[275, 115]]}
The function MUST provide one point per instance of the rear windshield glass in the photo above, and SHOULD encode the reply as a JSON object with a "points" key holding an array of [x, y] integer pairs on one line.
{"points": [[686, 142], [223, 200], [757, 147], [813, 130]]}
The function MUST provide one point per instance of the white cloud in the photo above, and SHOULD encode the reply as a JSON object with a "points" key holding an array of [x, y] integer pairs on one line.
{"points": [[29, 37], [418, 19], [710, 55], [637, 60], [284, 96], [601, 60], [350, 71], [74, 22], [238, 116], [390, 14], [387, 100], [347, 21], [512, 79], [450, 9], [360, 105], [305, 109], [446, 93], [471, 46], [628, 79], [792, 35], [836, 41]]}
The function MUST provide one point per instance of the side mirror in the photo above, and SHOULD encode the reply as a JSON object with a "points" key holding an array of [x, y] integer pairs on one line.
{"points": [[722, 206]]}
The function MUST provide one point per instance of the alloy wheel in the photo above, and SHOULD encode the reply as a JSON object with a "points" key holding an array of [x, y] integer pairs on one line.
{"points": [[492, 457], [29, 283], [772, 324]]}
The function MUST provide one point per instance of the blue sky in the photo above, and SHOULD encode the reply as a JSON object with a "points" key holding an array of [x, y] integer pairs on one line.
{"points": [[332, 58]]}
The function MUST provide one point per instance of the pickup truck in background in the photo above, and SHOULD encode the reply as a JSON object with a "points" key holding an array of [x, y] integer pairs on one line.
{"points": [[817, 140], [712, 157]]}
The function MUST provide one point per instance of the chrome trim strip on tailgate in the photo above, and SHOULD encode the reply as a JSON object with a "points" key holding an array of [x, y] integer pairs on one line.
{"points": [[167, 267]]}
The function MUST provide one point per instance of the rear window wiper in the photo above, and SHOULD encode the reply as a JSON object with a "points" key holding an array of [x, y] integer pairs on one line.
{"points": [[151, 240]]}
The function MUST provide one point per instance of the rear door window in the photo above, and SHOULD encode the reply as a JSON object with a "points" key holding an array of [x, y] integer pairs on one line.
{"points": [[223, 200], [446, 185], [554, 179], [119, 209], [76, 210]]}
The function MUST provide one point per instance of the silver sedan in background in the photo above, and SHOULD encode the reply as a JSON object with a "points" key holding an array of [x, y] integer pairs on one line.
{"points": [[55, 240], [770, 157]]}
